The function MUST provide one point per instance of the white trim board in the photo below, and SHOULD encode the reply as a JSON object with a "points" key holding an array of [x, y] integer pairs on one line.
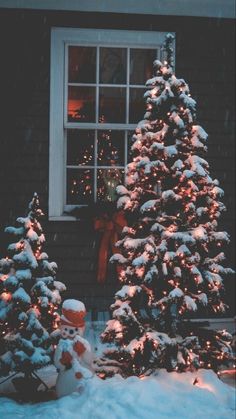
{"points": [[198, 8], [228, 323]]}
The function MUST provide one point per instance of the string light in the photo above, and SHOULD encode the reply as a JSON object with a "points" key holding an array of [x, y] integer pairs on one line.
{"points": [[6, 296]]}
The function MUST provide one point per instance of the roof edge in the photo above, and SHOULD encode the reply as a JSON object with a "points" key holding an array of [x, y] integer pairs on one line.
{"points": [[197, 8]]}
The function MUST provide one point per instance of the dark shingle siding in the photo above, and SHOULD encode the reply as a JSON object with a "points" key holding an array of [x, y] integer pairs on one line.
{"points": [[204, 58]]}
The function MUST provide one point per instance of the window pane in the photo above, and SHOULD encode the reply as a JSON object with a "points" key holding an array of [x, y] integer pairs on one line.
{"points": [[82, 65], [110, 148], [107, 181], [112, 104], [141, 61], [136, 105], [129, 145], [113, 63], [81, 104], [80, 186], [80, 147]]}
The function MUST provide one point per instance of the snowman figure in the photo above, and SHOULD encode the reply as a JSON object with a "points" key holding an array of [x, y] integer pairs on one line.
{"points": [[73, 357]]}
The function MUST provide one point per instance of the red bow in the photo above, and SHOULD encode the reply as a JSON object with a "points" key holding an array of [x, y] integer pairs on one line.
{"points": [[111, 228]]}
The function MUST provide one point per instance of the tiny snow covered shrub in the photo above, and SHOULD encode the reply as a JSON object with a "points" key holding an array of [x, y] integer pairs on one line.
{"points": [[29, 297]]}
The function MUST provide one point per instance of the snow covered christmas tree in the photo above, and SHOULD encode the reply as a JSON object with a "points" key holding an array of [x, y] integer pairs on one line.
{"points": [[171, 260], [29, 298]]}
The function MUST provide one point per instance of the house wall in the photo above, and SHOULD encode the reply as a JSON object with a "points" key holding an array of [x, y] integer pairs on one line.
{"points": [[204, 58]]}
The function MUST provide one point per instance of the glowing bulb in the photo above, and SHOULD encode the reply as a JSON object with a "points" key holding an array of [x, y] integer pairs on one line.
{"points": [[6, 296]]}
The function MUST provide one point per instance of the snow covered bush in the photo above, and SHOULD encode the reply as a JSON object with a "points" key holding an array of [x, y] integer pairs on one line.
{"points": [[29, 297], [171, 260]]}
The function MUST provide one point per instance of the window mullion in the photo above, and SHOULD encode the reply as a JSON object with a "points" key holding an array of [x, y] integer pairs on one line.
{"points": [[127, 105], [95, 164], [66, 84], [127, 86], [65, 131], [103, 127], [65, 166], [126, 147], [97, 84], [97, 120]]}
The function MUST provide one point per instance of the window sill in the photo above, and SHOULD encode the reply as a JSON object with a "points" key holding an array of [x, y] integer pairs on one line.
{"points": [[62, 218]]}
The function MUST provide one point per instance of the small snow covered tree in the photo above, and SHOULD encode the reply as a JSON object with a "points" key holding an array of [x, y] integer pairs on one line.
{"points": [[171, 253], [29, 298]]}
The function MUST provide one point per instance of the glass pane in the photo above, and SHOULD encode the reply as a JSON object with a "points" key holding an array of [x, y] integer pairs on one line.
{"points": [[79, 186], [111, 148], [136, 105], [112, 104], [129, 145], [113, 63], [107, 181], [80, 147], [82, 65], [141, 61], [81, 104]]}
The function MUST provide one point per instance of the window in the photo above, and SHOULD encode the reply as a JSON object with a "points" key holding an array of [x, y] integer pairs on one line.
{"points": [[97, 84]]}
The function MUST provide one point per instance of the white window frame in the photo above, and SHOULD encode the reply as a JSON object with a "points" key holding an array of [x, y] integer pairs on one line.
{"points": [[60, 38]]}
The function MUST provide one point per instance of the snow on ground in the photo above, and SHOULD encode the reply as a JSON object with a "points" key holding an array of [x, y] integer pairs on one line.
{"points": [[166, 395]]}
